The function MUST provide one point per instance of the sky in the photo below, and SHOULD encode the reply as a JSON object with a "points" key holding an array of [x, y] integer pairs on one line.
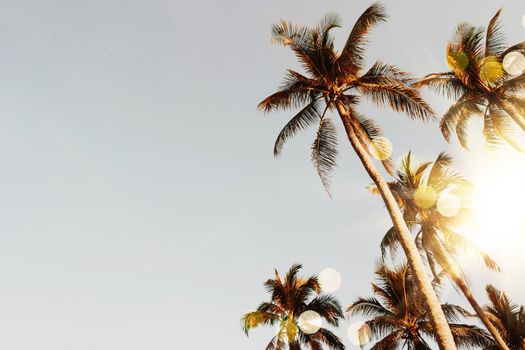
{"points": [[141, 204]]}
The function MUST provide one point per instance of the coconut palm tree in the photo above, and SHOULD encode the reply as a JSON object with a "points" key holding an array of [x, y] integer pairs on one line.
{"points": [[291, 297], [480, 85], [507, 317], [398, 319], [336, 81], [430, 195]]}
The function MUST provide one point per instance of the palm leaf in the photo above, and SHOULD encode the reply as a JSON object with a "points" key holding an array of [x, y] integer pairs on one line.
{"points": [[351, 60], [306, 117], [324, 151]]}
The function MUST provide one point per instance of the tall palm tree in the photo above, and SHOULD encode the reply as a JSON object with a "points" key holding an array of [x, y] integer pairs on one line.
{"points": [[480, 85], [419, 190], [507, 317], [397, 318], [290, 298], [335, 81]]}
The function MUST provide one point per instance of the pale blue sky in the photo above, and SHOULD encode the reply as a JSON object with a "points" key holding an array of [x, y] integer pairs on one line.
{"points": [[141, 204]]}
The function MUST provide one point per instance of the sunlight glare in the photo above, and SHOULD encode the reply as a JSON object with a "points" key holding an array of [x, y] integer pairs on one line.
{"points": [[354, 330], [330, 280], [498, 221], [309, 322]]}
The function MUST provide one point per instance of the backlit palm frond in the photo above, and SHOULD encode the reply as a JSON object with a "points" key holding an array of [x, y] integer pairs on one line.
{"points": [[257, 318], [324, 151], [326, 43], [351, 60], [446, 84], [328, 308], [299, 38], [389, 342], [455, 313], [502, 126], [470, 337], [381, 326], [368, 307], [295, 97], [382, 73], [398, 96], [458, 112], [494, 38], [490, 134], [514, 85], [308, 116], [324, 336], [368, 132], [390, 243], [304, 291]]}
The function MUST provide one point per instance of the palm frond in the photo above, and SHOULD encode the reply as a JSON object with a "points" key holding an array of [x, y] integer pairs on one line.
{"points": [[299, 38], [324, 151], [328, 308], [390, 242], [368, 307], [351, 60], [494, 39], [446, 84], [398, 96], [306, 117]]}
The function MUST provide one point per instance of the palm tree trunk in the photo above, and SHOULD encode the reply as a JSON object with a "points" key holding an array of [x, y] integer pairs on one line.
{"points": [[460, 282], [481, 314], [439, 322]]}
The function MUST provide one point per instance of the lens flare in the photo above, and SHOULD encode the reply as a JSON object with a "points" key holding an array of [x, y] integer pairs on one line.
{"points": [[448, 204], [514, 63], [330, 280], [381, 148], [498, 224], [309, 322], [359, 333], [425, 197]]}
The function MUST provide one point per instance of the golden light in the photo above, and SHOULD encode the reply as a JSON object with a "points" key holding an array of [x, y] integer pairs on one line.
{"points": [[330, 280], [381, 148], [359, 333], [498, 217], [310, 322]]}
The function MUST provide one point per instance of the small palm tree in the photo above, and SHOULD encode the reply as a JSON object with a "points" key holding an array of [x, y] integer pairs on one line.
{"points": [[398, 319], [507, 317], [480, 85], [336, 81], [420, 189], [290, 298]]}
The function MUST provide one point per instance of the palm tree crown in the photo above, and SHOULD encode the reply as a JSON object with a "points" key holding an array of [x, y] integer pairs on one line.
{"points": [[507, 317], [336, 78], [420, 189], [290, 298], [397, 316], [480, 85]]}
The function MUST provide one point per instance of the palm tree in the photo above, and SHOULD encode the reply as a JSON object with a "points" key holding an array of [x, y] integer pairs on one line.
{"points": [[291, 297], [419, 190], [507, 317], [480, 85], [397, 318], [335, 81]]}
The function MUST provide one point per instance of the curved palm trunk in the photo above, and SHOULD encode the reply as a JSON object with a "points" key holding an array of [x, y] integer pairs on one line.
{"points": [[460, 282], [439, 322], [481, 314]]}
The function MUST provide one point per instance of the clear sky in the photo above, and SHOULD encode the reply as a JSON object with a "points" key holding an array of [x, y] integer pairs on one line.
{"points": [[141, 204]]}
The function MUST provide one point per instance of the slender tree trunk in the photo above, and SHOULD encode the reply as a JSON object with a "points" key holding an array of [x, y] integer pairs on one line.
{"points": [[439, 322], [460, 282], [481, 314]]}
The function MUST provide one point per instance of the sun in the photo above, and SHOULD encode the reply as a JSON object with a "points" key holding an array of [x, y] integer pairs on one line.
{"points": [[497, 224]]}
